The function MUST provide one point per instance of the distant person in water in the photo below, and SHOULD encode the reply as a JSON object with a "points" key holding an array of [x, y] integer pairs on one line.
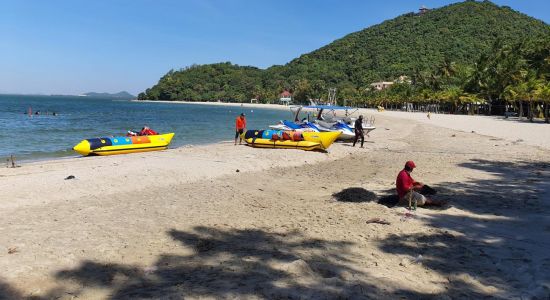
{"points": [[147, 131], [408, 188], [359, 133], [240, 126]]}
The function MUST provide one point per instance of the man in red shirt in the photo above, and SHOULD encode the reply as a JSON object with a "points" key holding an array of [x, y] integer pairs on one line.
{"points": [[407, 188], [240, 125]]}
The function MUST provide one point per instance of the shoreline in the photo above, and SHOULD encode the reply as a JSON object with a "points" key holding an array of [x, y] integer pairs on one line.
{"points": [[249, 105], [534, 134], [78, 156]]}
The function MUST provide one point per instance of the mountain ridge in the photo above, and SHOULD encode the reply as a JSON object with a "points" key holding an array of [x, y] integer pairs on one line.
{"points": [[405, 45]]}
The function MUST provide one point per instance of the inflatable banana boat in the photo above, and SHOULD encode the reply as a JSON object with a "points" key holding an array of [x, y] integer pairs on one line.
{"points": [[123, 144], [290, 139]]}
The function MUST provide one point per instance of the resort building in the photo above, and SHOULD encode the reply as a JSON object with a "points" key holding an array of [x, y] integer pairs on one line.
{"points": [[285, 98], [381, 85]]}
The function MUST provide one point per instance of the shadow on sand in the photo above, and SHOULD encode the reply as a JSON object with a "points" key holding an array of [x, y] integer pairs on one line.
{"points": [[355, 194], [7, 292], [498, 248], [233, 264]]}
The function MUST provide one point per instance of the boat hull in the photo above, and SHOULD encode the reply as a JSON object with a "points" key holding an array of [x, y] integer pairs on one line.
{"points": [[310, 140], [123, 144]]}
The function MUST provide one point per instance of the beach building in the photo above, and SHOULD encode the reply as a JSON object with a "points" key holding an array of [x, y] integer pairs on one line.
{"points": [[381, 85], [285, 98]]}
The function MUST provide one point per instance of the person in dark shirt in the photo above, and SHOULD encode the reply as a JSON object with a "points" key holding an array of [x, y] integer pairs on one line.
{"points": [[359, 133]]}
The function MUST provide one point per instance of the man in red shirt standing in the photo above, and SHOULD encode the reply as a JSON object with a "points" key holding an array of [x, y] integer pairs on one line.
{"points": [[407, 188], [240, 126]]}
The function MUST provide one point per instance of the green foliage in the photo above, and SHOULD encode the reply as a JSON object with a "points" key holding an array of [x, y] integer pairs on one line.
{"points": [[222, 81], [460, 53]]}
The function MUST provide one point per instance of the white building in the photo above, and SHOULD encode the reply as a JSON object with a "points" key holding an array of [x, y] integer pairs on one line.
{"points": [[285, 98], [381, 85]]}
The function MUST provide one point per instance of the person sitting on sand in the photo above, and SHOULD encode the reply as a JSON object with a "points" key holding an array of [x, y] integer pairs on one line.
{"points": [[408, 188], [147, 131]]}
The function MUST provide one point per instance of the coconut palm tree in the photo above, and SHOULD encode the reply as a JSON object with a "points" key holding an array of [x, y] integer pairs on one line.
{"points": [[543, 93], [532, 87], [511, 95]]}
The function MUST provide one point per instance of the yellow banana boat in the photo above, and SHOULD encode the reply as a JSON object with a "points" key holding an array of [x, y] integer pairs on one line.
{"points": [[123, 144], [295, 140]]}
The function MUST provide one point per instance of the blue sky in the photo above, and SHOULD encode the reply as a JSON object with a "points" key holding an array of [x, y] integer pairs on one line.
{"points": [[72, 46]]}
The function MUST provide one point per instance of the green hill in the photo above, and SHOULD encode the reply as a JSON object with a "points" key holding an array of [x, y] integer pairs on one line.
{"points": [[410, 44]]}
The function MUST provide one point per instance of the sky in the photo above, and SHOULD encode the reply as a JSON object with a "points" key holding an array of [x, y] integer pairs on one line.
{"points": [[78, 46]]}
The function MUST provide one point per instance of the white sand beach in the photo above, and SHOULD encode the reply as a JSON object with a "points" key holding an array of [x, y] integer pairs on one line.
{"points": [[510, 129], [224, 221]]}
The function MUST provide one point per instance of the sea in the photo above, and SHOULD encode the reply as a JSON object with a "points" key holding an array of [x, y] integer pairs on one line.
{"points": [[32, 137]]}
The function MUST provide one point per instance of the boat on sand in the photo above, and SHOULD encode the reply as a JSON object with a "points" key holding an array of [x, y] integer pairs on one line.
{"points": [[290, 139], [123, 144]]}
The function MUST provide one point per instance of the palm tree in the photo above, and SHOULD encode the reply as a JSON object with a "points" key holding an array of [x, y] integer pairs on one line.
{"points": [[511, 95], [543, 93], [446, 69], [451, 95], [532, 87]]}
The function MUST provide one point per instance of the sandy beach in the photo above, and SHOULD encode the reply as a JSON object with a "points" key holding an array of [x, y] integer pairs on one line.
{"points": [[225, 221]]}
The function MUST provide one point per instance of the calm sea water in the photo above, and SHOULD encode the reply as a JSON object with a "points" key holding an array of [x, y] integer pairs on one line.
{"points": [[47, 136]]}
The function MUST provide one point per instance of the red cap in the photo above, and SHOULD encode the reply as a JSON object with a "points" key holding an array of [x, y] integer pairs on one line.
{"points": [[410, 164]]}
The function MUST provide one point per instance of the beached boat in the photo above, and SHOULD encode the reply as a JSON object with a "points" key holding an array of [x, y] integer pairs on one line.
{"points": [[326, 121], [347, 131], [123, 144], [295, 126], [290, 139]]}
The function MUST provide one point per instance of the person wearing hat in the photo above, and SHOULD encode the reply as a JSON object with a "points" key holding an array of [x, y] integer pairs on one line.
{"points": [[240, 126], [408, 188], [359, 133]]}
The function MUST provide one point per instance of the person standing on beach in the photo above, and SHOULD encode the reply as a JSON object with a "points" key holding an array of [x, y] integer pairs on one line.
{"points": [[408, 188], [240, 126], [359, 133]]}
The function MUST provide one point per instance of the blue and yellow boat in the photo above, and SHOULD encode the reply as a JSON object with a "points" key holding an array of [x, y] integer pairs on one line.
{"points": [[123, 144], [294, 139]]}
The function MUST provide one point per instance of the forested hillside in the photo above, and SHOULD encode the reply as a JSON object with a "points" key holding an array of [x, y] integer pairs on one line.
{"points": [[437, 50]]}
